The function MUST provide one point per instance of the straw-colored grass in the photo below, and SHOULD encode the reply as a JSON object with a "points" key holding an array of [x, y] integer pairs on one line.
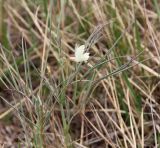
{"points": [[49, 101]]}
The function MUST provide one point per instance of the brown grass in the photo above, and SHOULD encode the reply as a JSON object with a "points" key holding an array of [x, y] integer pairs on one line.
{"points": [[112, 100]]}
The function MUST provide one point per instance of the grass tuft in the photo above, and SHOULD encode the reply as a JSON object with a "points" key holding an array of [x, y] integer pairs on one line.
{"points": [[48, 100]]}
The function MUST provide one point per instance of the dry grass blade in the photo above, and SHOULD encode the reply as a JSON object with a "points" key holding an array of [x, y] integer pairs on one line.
{"points": [[48, 100]]}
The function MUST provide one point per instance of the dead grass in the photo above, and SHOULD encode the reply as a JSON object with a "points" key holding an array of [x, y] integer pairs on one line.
{"points": [[47, 100]]}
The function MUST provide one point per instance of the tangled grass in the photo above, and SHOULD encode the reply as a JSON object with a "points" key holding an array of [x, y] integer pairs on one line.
{"points": [[48, 100]]}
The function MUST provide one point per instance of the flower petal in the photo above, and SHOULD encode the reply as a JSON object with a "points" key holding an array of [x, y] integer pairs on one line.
{"points": [[79, 50], [80, 54]]}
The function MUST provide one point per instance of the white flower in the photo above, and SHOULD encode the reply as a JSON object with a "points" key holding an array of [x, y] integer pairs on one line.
{"points": [[80, 55]]}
